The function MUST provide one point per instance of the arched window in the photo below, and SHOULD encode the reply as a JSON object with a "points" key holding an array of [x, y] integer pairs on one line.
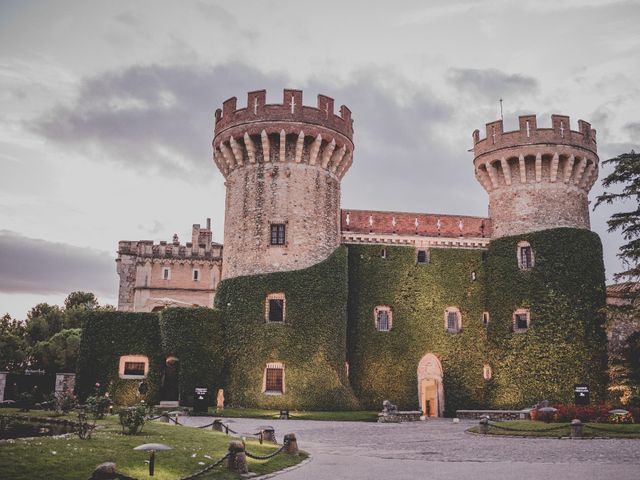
{"points": [[273, 379], [485, 318], [486, 371], [525, 255], [452, 320], [383, 318], [521, 320]]}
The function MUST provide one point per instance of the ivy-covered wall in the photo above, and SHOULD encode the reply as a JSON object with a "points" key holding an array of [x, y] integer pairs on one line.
{"points": [[566, 342], [106, 336], [311, 343], [195, 337], [383, 365]]}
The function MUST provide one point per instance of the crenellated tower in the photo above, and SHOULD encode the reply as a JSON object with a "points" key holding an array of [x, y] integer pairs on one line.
{"points": [[536, 178], [283, 164]]}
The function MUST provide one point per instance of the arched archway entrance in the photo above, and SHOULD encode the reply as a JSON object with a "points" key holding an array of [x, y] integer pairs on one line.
{"points": [[430, 389]]}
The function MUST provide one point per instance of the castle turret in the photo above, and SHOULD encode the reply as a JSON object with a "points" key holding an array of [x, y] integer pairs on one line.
{"points": [[283, 164], [537, 178]]}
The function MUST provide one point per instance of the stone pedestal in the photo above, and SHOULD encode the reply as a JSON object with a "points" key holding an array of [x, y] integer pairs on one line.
{"points": [[237, 458], [65, 383]]}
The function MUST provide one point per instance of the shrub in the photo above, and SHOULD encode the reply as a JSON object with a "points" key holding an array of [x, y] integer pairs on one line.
{"points": [[98, 405], [132, 419], [65, 402]]}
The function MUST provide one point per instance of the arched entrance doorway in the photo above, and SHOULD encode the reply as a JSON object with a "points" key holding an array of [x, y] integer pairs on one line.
{"points": [[430, 389], [169, 388]]}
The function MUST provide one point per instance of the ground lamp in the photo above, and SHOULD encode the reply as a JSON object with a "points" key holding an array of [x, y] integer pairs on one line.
{"points": [[547, 412], [618, 412], [152, 448]]}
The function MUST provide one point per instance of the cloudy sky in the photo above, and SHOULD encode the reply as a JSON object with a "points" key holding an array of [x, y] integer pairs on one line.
{"points": [[107, 110]]}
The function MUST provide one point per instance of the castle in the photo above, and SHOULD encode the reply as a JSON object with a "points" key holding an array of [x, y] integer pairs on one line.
{"points": [[320, 307]]}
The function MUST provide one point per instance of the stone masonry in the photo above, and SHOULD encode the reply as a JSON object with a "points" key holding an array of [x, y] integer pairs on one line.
{"points": [[283, 164], [537, 178]]}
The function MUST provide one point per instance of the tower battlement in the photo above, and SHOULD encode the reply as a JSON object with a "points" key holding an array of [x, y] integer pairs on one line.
{"points": [[286, 132], [528, 133], [537, 178]]}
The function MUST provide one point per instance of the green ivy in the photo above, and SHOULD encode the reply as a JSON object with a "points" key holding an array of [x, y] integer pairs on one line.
{"points": [[195, 337], [383, 365], [566, 342], [106, 336], [311, 343]]}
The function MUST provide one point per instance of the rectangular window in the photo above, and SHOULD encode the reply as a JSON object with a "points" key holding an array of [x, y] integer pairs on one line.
{"points": [[452, 321], [525, 257], [383, 321], [166, 273], [422, 256], [274, 379], [521, 321], [276, 310], [277, 234], [134, 368], [196, 275]]}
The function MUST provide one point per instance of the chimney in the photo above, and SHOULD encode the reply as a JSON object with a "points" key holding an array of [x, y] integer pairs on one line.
{"points": [[208, 224]]}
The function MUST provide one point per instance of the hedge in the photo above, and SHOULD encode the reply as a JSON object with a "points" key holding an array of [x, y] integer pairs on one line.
{"points": [[195, 337], [311, 343], [106, 336]]}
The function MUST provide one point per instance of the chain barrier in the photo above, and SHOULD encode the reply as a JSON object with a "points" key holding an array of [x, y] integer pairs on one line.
{"points": [[588, 425], [207, 425], [205, 469], [537, 430], [268, 456]]}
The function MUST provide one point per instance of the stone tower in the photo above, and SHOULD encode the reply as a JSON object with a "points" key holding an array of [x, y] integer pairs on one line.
{"points": [[537, 178], [283, 164]]}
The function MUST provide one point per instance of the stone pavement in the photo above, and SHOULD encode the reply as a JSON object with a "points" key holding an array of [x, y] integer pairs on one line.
{"points": [[440, 449]]}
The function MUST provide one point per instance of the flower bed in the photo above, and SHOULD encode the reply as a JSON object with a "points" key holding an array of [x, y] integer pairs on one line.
{"points": [[589, 413]]}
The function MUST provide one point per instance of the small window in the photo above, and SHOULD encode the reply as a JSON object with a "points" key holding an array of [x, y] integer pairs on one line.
{"points": [[273, 380], [525, 256], [133, 366], [275, 308], [166, 273], [521, 320], [473, 276], [383, 319], [453, 320], [485, 318], [196, 275], [422, 257], [486, 372], [277, 234], [383, 253]]}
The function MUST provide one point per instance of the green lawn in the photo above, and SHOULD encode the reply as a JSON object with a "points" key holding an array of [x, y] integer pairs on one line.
{"points": [[71, 458], [528, 428], [345, 416]]}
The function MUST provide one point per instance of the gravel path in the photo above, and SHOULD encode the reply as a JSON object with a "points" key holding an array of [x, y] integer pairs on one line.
{"points": [[440, 449]]}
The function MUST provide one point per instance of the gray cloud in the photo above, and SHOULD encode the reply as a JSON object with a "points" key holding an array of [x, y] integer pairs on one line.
{"points": [[154, 119], [491, 82], [633, 129], [159, 119], [32, 265]]}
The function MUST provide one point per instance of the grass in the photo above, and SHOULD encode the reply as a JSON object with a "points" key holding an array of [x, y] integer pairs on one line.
{"points": [[69, 457], [529, 428], [344, 416]]}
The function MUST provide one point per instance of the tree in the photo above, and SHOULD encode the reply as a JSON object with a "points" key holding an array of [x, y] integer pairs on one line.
{"points": [[12, 344], [626, 173], [76, 305], [43, 321], [58, 353]]}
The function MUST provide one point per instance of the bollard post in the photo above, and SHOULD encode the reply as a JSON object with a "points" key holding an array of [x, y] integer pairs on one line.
{"points": [[576, 428], [268, 435], [105, 471], [237, 462], [217, 426], [484, 425], [165, 417], [291, 444]]}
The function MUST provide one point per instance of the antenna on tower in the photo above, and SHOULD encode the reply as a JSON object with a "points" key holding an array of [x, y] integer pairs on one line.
{"points": [[501, 117]]}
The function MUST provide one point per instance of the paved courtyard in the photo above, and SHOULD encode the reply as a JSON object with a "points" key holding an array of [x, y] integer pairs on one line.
{"points": [[440, 449]]}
